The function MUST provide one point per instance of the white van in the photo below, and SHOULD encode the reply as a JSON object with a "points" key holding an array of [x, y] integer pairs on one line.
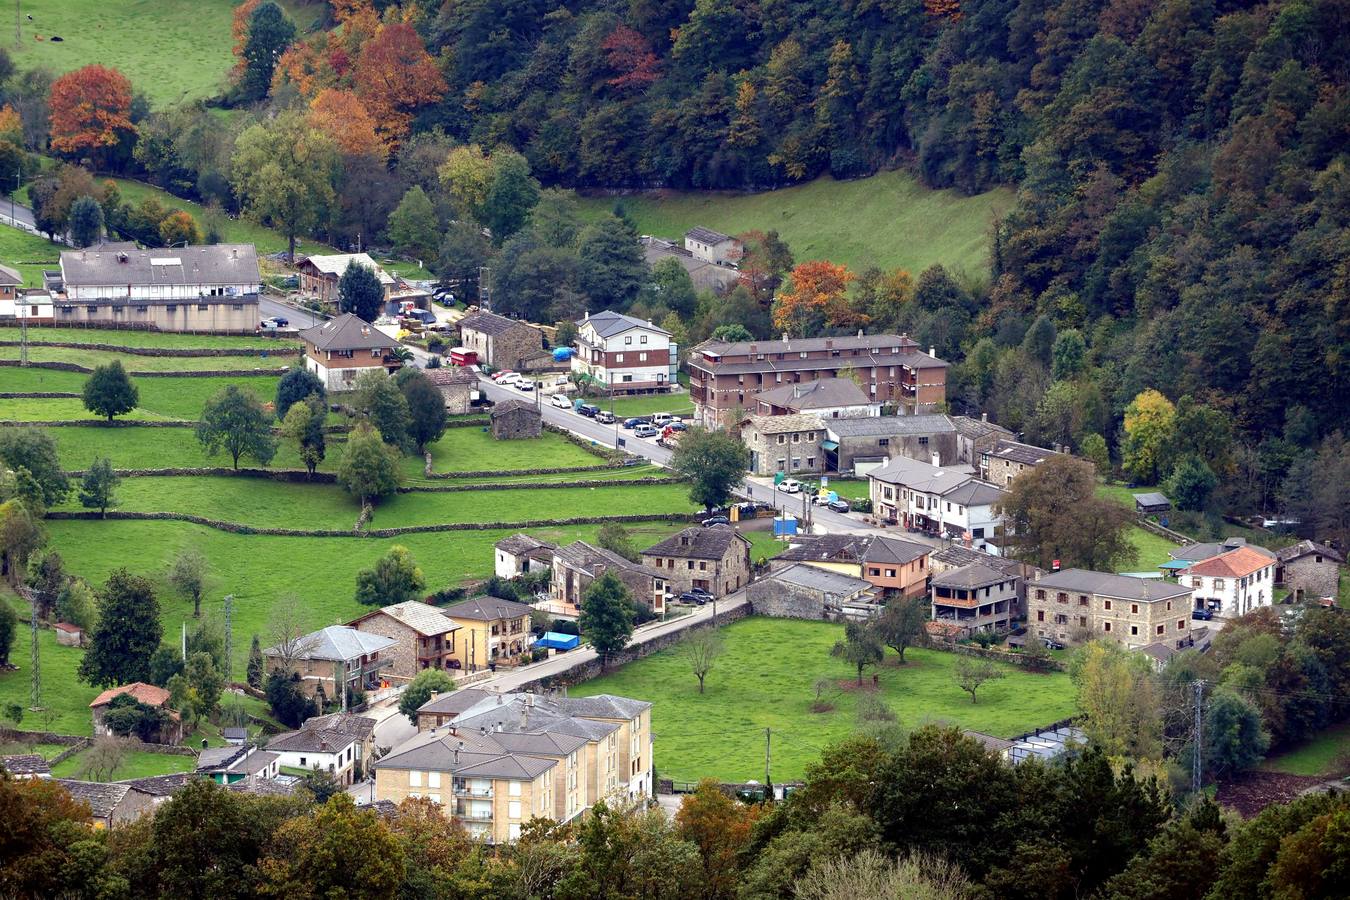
{"points": [[661, 419]]}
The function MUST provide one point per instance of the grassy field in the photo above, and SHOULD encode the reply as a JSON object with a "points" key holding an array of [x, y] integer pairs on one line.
{"points": [[764, 544], [158, 339], [135, 764], [624, 407], [160, 398], [262, 360], [187, 59], [888, 220], [65, 698], [1328, 755], [474, 450], [158, 448], [764, 680], [1152, 549], [259, 570], [28, 253]]}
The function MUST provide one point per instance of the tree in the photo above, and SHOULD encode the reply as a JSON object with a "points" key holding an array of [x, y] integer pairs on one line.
{"points": [[1235, 738], [1149, 432], [426, 408], [187, 576], [235, 421], [103, 758], [720, 827], [343, 117], [98, 486], [9, 623], [127, 634], [764, 262], [20, 535], [312, 855], [511, 195], [254, 674], [77, 604], [420, 689], [871, 874], [297, 384], [1117, 700], [462, 253], [610, 267], [670, 286], [702, 647], [90, 111], [1192, 483], [614, 537], [466, 175], [607, 615], [901, 623], [287, 699], [1068, 354], [284, 171], [165, 663], [195, 692], [369, 468], [395, 578], [970, 673], [269, 34], [33, 450], [302, 429], [413, 226], [86, 221], [818, 296], [1052, 512], [109, 391], [360, 292], [395, 75], [713, 462], [1093, 449], [178, 227], [860, 648], [45, 580]]}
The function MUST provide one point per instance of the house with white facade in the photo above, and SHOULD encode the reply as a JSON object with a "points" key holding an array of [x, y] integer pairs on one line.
{"points": [[339, 350], [941, 500], [328, 751], [713, 246], [1232, 583], [625, 355]]}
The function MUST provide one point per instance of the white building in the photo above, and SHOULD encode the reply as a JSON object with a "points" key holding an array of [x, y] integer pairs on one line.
{"points": [[942, 500], [1233, 583], [328, 751], [624, 354], [713, 246]]}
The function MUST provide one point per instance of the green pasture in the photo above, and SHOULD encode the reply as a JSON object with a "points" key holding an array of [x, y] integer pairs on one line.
{"points": [[160, 397], [261, 362], [164, 340], [27, 253], [135, 764], [472, 449]]}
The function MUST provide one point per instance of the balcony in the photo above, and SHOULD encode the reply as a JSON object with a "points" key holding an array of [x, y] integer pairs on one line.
{"points": [[470, 815], [463, 790]]}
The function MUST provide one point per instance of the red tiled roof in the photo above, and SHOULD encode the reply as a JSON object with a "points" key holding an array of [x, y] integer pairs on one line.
{"points": [[145, 693], [67, 627], [1234, 564]]}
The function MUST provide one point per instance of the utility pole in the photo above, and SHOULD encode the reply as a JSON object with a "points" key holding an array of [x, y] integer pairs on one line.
{"points": [[35, 663], [1198, 746], [485, 288], [229, 633], [23, 340], [768, 780]]}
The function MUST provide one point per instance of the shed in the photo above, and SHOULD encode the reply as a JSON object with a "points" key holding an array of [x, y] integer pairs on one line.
{"points": [[513, 419], [554, 640], [1151, 503]]}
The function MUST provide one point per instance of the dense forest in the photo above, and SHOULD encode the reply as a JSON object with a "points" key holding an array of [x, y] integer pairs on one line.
{"points": [[1180, 167]]}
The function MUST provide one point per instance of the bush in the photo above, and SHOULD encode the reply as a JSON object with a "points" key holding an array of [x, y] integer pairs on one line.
{"points": [[538, 654]]}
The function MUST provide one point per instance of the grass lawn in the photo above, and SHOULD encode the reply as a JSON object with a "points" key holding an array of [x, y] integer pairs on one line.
{"points": [[888, 220], [625, 407], [159, 339], [763, 544], [28, 253], [90, 358], [259, 570], [160, 398], [159, 448], [46, 751], [62, 409], [65, 698], [135, 764], [764, 680], [187, 59], [475, 450], [1151, 549], [1319, 756]]}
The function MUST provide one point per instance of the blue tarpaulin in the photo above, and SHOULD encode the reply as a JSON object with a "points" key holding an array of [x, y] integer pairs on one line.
{"points": [[553, 640]]}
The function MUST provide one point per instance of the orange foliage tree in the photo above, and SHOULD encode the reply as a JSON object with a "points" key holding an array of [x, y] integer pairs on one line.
{"points": [[943, 9], [720, 827], [11, 126], [178, 227], [818, 296], [343, 117], [395, 75], [90, 108], [631, 59]]}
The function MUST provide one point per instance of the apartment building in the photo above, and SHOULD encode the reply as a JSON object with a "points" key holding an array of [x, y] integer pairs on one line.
{"points": [[491, 631], [726, 376], [1077, 604], [625, 355], [975, 597]]}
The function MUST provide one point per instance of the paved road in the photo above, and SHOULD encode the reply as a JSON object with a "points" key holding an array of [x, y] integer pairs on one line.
{"points": [[297, 316]]}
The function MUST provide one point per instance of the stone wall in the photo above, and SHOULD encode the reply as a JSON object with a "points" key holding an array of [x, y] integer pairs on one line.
{"points": [[404, 652], [771, 597], [1315, 579]]}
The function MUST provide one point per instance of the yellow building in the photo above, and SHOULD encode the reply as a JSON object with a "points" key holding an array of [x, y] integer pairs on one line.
{"points": [[491, 630]]}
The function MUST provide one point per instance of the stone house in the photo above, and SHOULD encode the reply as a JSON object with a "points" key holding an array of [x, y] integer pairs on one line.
{"points": [[716, 560], [713, 246], [808, 592], [518, 554], [457, 385], [578, 564], [109, 804], [148, 694], [1006, 459], [789, 444], [333, 657], [491, 631], [516, 420], [887, 563], [975, 437], [927, 437], [1076, 604], [423, 637], [25, 765], [976, 597], [500, 342], [1309, 570], [320, 274], [705, 275]]}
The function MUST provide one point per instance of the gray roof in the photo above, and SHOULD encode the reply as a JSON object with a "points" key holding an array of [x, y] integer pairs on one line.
{"points": [[237, 733], [162, 785], [991, 743], [608, 323], [603, 706], [103, 798], [520, 544], [485, 322], [265, 787], [526, 713], [454, 702], [423, 618], [706, 235], [976, 428], [872, 548], [699, 543], [548, 743], [971, 576], [509, 406], [213, 758], [1307, 548], [212, 264], [964, 556], [1152, 498], [886, 426], [1200, 552], [347, 332], [911, 359], [359, 727], [818, 394], [586, 557], [921, 476], [10, 276], [338, 643], [449, 375], [463, 752], [486, 609], [336, 264], [239, 760], [820, 580], [308, 740], [785, 424], [1122, 587], [875, 342], [1015, 451], [975, 493], [22, 764]]}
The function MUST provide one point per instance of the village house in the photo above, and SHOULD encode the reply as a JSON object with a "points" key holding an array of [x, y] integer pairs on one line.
{"points": [[624, 355], [713, 246], [423, 638], [172, 730], [727, 376], [333, 658], [112, 804], [957, 556], [1075, 605], [18, 305], [519, 554], [1308, 570], [491, 632], [205, 288], [500, 342], [458, 385], [887, 563], [321, 273], [305, 750], [975, 598], [25, 765], [789, 444], [231, 763], [578, 564], [827, 398], [341, 349], [1004, 461], [861, 445], [716, 560], [360, 728], [799, 591], [940, 500], [1233, 583], [706, 276], [976, 436], [11, 282], [68, 635], [514, 420]]}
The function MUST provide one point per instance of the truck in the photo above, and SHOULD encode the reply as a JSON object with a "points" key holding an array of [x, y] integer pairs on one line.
{"points": [[670, 438]]}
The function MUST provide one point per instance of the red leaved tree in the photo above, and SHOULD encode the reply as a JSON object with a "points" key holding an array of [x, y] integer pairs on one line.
{"points": [[818, 296], [395, 75], [90, 109], [343, 117], [630, 58]]}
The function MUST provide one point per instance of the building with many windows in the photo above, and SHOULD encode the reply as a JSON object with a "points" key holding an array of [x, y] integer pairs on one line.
{"points": [[975, 597], [1232, 583], [624, 355], [1077, 604], [341, 349], [789, 444]]}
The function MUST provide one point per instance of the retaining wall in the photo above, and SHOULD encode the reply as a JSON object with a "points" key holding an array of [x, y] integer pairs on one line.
{"points": [[161, 351]]}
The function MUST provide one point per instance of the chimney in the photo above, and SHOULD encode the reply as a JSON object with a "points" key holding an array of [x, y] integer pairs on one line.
{"points": [[984, 417], [235, 253], [482, 730], [785, 337], [434, 695], [499, 699], [932, 351], [529, 700], [829, 343], [937, 460], [454, 731], [754, 348], [860, 332]]}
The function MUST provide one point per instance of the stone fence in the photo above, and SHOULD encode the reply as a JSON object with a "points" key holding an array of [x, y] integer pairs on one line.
{"points": [[161, 351], [1044, 663]]}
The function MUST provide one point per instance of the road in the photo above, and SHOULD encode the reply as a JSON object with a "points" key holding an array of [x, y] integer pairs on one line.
{"points": [[298, 317]]}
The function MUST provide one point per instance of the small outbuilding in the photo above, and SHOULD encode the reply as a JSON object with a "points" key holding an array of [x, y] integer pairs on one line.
{"points": [[68, 635], [514, 420], [806, 592], [456, 385], [1151, 504]]}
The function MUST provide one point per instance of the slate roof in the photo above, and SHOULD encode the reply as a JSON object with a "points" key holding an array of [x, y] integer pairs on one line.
{"points": [[102, 797], [584, 556], [706, 235], [1198, 552], [975, 493], [1237, 563], [224, 264], [148, 694], [603, 706], [213, 758], [608, 323], [486, 609], [991, 743], [1120, 587], [870, 548], [359, 727], [698, 543], [481, 756], [490, 323], [237, 734], [520, 544], [161, 785], [451, 375], [423, 618], [265, 787], [921, 476], [25, 765], [911, 359], [886, 426], [971, 576], [311, 741], [818, 394], [875, 342], [1152, 498], [347, 332], [1308, 548], [336, 264], [454, 702], [1015, 451], [338, 643], [976, 428], [820, 580], [10, 276], [785, 424], [507, 406]]}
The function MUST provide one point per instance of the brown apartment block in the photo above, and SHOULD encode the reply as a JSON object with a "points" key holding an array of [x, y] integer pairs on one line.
{"points": [[727, 376]]}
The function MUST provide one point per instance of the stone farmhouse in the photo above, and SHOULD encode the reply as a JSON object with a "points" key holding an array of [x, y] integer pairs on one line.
{"points": [[716, 560], [1077, 604]]}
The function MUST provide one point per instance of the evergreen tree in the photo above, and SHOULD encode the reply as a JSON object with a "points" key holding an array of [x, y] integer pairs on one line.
{"points": [[269, 34], [127, 634], [98, 486], [34, 450], [511, 195], [426, 408], [413, 227], [254, 674], [419, 691], [394, 579], [379, 400], [9, 623], [607, 616], [109, 391], [360, 292], [86, 222], [297, 384]]}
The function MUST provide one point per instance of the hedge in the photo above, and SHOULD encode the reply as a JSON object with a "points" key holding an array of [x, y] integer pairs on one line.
{"points": [[160, 351], [39, 395]]}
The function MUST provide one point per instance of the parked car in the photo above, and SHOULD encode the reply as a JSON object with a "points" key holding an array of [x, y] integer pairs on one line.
{"points": [[605, 417], [661, 419], [677, 425], [1052, 644], [715, 520], [560, 401], [790, 486], [1202, 614], [839, 506], [512, 378], [589, 410], [634, 422], [276, 322], [645, 431], [524, 384], [696, 596], [504, 373]]}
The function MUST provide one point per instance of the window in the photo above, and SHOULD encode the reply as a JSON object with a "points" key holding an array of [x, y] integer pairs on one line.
{"points": [[642, 340], [138, 309], [810, 462], [782, 439], [1040, 595], [172, 307], [702, 566], [302, 763], [873, 571], [1134, 629], [1040, 615], [1181, 624], [1218, 584], [203, 307], [691, 565], [513, 809], [890, 573], [1198, 582], [796, 438], [1106, 604], [414, 776], [1169, 605], [1106, 626], [1134, 609], [884, 442], [923, 441], [618, 357], [1161, 629], [513, 789], [1082, 621], [796, 462], [628, 340], [433, 779], [642, 357]]}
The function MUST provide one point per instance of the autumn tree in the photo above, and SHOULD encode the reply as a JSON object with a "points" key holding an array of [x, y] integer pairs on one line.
{"points": [[817, 297], [765, 260], [466, 176], [720, 827], [395, 75], [1117, 700], [90, 111], [1149, 429], [178, 227], [1052, 512], [343, 117], [630, 58], [284, 171]]}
